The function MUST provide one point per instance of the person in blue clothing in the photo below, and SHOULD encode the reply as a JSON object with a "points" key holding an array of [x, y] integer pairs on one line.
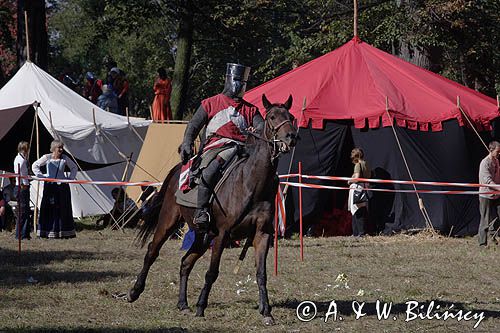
{"points": [[56, 214], [108, 100]]}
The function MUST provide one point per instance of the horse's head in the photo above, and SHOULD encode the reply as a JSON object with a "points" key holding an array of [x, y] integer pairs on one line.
{"points": [[279, 126]]}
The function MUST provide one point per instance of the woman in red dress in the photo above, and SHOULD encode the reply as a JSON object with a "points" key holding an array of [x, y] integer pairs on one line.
{"points": [[161, 103]]}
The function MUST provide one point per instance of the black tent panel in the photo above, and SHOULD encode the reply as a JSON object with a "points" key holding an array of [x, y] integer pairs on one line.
{"points": [[22, 130], [450, 155]]}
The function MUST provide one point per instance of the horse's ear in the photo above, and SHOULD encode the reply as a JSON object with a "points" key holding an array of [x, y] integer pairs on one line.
{"points": [[265, 102], [288, 103]]}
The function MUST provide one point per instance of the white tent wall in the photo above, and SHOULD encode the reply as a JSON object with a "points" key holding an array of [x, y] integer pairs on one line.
{"points": [[89, 133]]}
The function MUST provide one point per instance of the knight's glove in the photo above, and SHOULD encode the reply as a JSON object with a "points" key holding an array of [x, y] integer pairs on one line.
{"points": [[186, 151]]}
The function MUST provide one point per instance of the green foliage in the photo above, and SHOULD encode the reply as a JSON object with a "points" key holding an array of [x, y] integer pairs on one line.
{"points": [[86, 34], [7, 39], [462, 37]]}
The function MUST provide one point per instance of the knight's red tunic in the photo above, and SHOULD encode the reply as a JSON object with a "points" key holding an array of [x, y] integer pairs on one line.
{"points": [[228, 118]]}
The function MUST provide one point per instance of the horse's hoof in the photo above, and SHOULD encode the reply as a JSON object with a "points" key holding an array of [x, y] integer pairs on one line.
{"points": [[268, 321], [131, 296], [186, 311], [200, 313]]}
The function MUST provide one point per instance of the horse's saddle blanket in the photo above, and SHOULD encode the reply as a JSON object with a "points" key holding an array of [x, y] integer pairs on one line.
{"points": [[190, 198]]}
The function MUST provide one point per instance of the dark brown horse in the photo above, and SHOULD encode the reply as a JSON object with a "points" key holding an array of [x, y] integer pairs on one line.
{"points": [[246, 210]]}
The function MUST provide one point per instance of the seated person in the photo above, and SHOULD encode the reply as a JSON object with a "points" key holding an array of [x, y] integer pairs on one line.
{"points": [[147, 194], [124, 208], [7, 217], [10, 191], [2, 211]]}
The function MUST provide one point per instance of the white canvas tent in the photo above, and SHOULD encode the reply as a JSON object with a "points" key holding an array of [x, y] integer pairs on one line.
{"points": [[97, 137]]}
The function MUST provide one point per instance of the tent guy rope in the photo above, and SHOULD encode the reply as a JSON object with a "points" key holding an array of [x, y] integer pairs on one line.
{"points": [[421, 204]]}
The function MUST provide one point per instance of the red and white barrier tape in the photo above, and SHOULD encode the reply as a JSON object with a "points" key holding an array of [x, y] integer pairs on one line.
{"points": [[305, 185], [327, 187], [387, 181]]}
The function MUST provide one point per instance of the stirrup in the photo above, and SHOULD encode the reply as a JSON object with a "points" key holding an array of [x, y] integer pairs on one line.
{"points": [[202, 212]]}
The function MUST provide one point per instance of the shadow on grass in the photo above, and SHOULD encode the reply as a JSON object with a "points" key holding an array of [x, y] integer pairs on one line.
{"points": [[36, 258], [345, 308], [110, 330], [44, 277], [15, 269]]}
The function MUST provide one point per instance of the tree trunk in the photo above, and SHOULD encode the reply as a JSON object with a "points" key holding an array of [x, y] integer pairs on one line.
{"points": [[407, 51], [37, 30], [182, 62]]}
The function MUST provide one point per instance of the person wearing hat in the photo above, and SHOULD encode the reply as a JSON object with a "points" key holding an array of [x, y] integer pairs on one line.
{"points": [[228, 118], [93, 87], [120, 87]]}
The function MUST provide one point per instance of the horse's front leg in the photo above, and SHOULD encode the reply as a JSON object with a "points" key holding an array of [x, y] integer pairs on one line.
{"points": [[187, 263], [261, 246], [212, 273]]}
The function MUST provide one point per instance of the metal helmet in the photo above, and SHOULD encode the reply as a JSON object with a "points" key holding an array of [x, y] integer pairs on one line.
{"points": [[236, 80]]}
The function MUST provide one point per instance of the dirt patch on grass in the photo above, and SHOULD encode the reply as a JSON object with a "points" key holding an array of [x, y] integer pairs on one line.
{"points": [[67, 285]]}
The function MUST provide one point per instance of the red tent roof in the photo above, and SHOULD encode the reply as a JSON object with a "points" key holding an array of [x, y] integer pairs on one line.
{"points": [[353, 81]]}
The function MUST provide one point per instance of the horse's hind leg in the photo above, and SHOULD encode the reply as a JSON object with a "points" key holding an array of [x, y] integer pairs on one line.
{"points": [[165, 229], [212, 273], [187, 263]]}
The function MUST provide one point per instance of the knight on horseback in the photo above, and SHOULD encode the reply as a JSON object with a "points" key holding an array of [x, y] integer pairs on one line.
{"points": [[228, 118]]}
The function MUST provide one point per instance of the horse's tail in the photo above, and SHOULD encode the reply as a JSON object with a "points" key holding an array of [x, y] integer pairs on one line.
{"points": [[152, 215]]}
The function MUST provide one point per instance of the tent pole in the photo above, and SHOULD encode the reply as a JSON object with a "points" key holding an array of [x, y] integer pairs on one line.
{"points": [[93, 117], [421, 205], [35, 214], [128, 118], [151, 113], [471, 124], [355, 18], [28, 58]]}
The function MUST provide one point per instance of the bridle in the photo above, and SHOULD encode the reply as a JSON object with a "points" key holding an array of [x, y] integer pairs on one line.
{"points": [[273, 140]]}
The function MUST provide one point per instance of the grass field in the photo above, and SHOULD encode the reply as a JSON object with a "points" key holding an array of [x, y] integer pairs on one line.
{"points": [[75, 280]]}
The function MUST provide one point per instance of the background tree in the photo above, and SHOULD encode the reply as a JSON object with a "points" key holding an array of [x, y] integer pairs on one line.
{"points": [[7, 39], [455, 38]]}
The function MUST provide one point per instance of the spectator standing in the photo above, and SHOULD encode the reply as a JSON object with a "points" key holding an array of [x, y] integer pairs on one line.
{"points": [[120, 88], [489, 204], [359, 210], [161, 103], [23, 188], [108, 100], [56, 214], [93, 87]]}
